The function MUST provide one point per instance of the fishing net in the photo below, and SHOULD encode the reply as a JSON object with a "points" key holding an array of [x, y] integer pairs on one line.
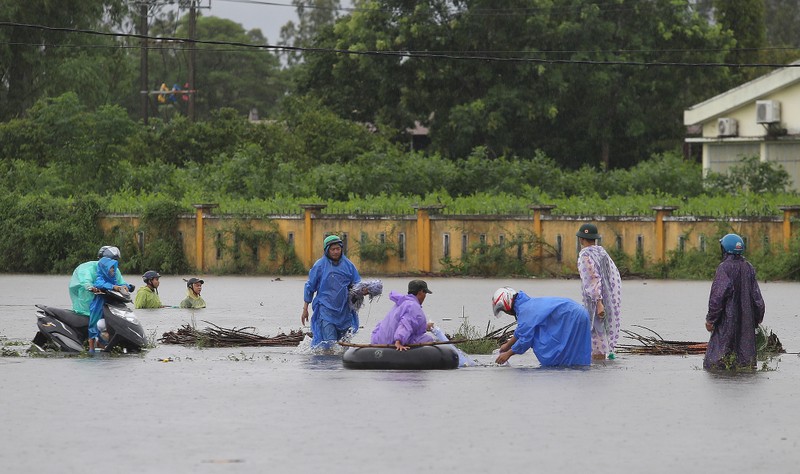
{"points": [[374, 289]]}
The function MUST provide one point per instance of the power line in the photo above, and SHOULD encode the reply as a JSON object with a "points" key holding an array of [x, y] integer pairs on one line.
{"points": [[460, 56]]}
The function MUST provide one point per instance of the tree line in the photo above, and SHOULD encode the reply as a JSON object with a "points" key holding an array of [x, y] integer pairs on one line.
{"points": [[582, 81]]}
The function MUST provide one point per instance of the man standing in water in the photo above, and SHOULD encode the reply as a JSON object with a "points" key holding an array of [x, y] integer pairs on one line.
{"points": [[601, 288], [327, 291], [735, 309]]}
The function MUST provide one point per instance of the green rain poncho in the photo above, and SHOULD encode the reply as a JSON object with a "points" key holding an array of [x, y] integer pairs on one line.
{"points": [[82, 279]]}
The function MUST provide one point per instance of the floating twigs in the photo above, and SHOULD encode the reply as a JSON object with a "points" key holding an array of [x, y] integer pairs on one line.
{"points": [[217, 336]]}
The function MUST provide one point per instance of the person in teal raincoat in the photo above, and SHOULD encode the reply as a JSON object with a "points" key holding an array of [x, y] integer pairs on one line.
{"points": [[83, 277]]}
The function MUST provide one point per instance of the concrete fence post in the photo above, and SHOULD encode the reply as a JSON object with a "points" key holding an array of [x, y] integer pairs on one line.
{"points": [[789, 212], [540, 210], [660, 234], [309, 212], [424, 241], [199, 238]]}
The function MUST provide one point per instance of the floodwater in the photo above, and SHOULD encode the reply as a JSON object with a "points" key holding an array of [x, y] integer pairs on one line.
{"points": [[282, 410]]}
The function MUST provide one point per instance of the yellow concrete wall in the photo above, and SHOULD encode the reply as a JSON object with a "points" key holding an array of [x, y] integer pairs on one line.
{"points": [[757, 231]]}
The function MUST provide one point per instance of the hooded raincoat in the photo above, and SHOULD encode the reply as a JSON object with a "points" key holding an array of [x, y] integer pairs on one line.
{"points": [[327, 291], [557, 329], [107, 269], [192, 300], [735, 308], [406, 322], [600, 280], [147, 298], [83, 278]]}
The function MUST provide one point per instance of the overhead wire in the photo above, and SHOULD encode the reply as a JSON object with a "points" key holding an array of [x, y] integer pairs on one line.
{"points": [[460, 56]]}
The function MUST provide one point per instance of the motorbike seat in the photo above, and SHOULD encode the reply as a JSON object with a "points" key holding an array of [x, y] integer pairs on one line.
{"points": [[68, 317]]}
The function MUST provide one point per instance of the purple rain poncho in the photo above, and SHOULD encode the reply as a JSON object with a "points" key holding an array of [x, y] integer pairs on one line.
{"points": [[327, 289], [600, 280], [558, 330], [406, 322], [735, 308]]}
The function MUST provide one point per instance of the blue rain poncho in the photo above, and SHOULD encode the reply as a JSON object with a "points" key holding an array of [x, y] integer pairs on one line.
{"points": [[405, 322], [107, 269], [558, 330], [82, 279], [327, 289]]}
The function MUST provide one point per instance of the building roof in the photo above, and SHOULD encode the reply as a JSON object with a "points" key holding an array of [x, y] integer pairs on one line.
{"points": [[746, 93]]}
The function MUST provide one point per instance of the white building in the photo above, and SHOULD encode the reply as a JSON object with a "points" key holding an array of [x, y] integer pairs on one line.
{"points": [[759, 118]]}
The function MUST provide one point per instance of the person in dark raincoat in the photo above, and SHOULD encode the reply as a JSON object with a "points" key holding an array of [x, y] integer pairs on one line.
{"points": [[735, 309]]}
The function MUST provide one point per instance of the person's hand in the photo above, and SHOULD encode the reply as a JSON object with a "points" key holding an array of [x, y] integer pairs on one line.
{"points": [[430, 325], [400, 347], [507, 346], [304, 316], [365, 291], [95, 290], [601, 310], [503, 357], [709, 326]]}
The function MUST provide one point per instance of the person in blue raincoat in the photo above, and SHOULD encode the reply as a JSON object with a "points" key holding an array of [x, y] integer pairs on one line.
{"points": [[557, 329], [83, 277], [107, 269], [327, 290]]}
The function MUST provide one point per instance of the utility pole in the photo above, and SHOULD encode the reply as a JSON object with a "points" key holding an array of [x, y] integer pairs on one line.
{"points": [[143, 79], [192, 55]]}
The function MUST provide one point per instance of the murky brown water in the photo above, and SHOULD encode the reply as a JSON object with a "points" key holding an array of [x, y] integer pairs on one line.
{"points": [[279, 410]]}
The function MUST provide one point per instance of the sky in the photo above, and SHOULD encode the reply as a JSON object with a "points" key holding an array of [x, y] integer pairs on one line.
{"points": [[269, 17]]}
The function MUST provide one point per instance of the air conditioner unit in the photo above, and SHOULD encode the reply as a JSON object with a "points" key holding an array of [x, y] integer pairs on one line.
{"points": [[768, 111], [727, 127]]}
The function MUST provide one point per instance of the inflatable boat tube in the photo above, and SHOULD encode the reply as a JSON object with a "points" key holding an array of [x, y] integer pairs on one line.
{"points": [[437, 357]]}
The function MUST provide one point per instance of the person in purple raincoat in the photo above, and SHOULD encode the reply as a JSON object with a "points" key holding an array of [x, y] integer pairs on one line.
{"points": [[601, 288], [735, 309], [406, 323]]}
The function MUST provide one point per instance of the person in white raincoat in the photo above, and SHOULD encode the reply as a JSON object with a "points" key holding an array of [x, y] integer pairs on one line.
{"points": [[601, 287]]}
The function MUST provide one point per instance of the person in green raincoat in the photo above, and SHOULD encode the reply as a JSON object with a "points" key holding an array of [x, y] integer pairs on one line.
{"points": [[83, 277], [193, 298]]}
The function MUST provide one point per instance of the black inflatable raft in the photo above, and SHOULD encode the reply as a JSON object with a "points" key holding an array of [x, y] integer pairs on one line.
{"points": [[436, 357]]}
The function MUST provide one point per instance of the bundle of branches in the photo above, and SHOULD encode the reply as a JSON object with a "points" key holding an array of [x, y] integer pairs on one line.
{"points": [[500, 335], [657, 345], [767, 343], [216, 336]]}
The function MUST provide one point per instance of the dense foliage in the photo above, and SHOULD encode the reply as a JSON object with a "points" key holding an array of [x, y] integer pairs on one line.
{"points": [[566, 103]]}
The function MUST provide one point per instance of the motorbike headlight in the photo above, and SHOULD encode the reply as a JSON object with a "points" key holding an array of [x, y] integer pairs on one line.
{"points": [[119, 312]]}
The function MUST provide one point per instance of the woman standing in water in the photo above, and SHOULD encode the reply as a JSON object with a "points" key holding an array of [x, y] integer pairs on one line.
{"points": [[735, 309], [601, 287]]}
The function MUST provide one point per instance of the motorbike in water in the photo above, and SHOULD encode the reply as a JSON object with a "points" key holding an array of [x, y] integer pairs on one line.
{"points": [[66, 331]]}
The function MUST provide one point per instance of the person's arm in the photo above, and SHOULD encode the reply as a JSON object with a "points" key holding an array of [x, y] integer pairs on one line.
{"points": [[309, 289], [592, 282], [721, 288], [758, 300], [505, 351]]}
